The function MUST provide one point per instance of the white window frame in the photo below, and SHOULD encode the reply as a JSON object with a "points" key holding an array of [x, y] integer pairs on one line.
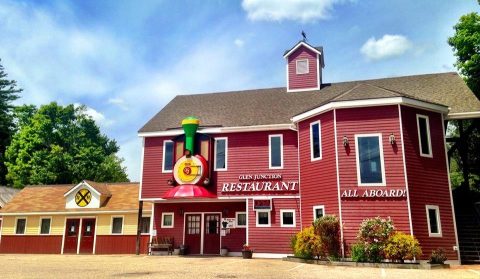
{"points": [[269, 218], [315, 211], [149, 224], [296, 66], [429, 138], [439, 223], [281, 218], [163, 218], [40, 226], [215, 154], [111, 224], [382, 161], [270, 151], [236, 219], [319, 140], [163, 159], [16, 223]]}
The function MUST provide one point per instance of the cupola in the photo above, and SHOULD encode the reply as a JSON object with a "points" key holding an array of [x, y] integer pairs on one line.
{"points": [[304, 67]]}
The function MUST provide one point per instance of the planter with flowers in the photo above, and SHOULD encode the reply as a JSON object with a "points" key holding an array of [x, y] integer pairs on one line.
{"points": [[247, 251]]}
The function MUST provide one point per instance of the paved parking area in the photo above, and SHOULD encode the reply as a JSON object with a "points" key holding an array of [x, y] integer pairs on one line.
{"points": [[127, 266]]}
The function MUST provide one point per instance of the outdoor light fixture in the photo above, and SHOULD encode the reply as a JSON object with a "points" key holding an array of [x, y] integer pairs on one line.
{"points": [[392, 139], [345, 141]]}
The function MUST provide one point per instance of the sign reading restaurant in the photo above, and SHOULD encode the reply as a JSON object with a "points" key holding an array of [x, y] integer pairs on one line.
{"points": [[260, 183]]}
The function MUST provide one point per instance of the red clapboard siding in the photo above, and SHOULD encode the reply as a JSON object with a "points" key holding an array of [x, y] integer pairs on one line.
{"points": [[428, 182], [120, 244], [274, 239], [233, 241], [154, 182], [31, 244], [302, 81], [384, 120], [248, 154], [318, 178]]}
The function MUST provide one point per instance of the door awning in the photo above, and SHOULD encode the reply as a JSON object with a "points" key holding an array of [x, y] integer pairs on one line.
{"points": [[188, 191]]}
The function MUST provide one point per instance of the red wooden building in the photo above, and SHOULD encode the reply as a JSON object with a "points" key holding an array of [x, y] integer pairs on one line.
{"points": [[265, 163]]}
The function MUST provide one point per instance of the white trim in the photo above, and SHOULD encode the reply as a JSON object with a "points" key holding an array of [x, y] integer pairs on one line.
{"points": [[152, 223], [281, 218], [405, 170], [429, 138], [79, 236], [319, 140], [215, 154], [1, 229], [296, 66], [303, 89], [68, 212], [299, 188], [463, 115], [437, 215], [450, 190], [163, 218], [319, 74], [221, 130], [163, 155], [264, 197], [382, 162], [338, 181], [16, 223], [269, 218], [247, 210], [111, 224], [236, 219], [368, 103], [297, 46], [83, 183], [95, 237], [287, 76], [40, 225], [269, 255], [141, 170], [315, 207], [64, 229], [270, 151]]}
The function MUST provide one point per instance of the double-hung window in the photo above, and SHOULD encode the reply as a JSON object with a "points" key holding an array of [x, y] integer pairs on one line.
{"points": [[167, 220], [45, 225], [263, 218], [20, 226], [318, 211], [369, 156], [433, 220], [287, 217], [145, 225], [424, 140], [275, 150], [221, 152], [315, 141], [241, 219], [117, 225], [167, 165]]}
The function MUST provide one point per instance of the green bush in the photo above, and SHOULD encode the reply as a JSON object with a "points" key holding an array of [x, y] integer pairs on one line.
{"points": [[307, 244], [438, 256], [359, 253], [301, 254], [401, 247], [328, 229], [374, 233]]}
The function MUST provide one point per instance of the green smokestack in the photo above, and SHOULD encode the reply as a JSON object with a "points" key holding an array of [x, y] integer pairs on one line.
{"points": [[190, 125]]}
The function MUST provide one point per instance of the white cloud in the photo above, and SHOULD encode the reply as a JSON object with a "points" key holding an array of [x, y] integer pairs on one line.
{"points": [[119, 102], [97, 116], [296, 10], [239, 42], [386, 47]]}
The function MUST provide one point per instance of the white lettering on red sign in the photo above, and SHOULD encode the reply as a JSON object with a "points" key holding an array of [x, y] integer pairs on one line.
{"points": [[374, 193]]}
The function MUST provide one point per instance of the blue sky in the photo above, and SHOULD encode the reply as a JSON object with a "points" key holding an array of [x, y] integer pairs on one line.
{"points": [[126, 59]]}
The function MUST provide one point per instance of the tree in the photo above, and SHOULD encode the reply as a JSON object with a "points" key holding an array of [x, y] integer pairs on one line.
{"points": [[60, 145], [8, 93]]}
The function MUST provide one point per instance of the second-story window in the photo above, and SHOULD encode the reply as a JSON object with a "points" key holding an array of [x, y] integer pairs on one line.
{"points": [[369, 155], [424, 139], [221, 152], [167, 164], [275, 148], [315, 141]]}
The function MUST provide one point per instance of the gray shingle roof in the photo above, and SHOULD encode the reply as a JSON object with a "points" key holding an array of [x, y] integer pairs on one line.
{"points": [[277, 106], [6, 194]]}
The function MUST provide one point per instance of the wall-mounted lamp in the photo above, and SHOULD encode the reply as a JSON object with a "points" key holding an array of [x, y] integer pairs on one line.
{"points": [[170, 182], [181, 211], [391, 138], [345, 141]]}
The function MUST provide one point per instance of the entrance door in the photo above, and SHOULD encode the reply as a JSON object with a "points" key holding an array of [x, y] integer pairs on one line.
{"points": [[71, 236], [211, 238], [88, 235], [193, 233]]}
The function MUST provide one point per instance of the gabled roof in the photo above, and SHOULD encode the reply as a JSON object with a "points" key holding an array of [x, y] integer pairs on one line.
{"points": [[6, 194], [50, 198], [318, 50], [277, 106], [100, 188]]}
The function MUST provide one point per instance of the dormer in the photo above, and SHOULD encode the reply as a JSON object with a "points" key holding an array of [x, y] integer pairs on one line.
{"points": [[304, 67], [87, 194]]}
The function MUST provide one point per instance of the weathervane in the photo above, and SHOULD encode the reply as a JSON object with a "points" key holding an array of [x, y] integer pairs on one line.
{"points": [[304, 36]]}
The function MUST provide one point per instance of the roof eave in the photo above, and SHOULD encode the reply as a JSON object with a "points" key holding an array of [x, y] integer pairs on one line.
{"points": [[300, 44]]}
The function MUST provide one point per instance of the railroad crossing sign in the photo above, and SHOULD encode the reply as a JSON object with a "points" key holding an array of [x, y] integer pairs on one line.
{"points": [[83, 197]]}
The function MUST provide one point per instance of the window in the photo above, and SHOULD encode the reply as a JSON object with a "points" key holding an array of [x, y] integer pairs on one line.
{"points": [[315, 141], [167, 164], [117, 225], [167, 220], [275, 149], [424, 140], [302, 66], [433, 220], [318, 211], [263, 218], [221, 146], [20, 226], [145, 225], [241, 219], [288, 217], [369, 155], [45, 225]]}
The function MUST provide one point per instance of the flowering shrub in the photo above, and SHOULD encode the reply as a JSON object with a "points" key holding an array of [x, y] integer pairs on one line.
{"points": [[438, 256], [401, 247], [328, 229], [359, 252], [374, 234], [247, 247], [307, 244]]}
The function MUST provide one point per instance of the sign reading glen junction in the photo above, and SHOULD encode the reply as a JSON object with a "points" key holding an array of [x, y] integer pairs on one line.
{"points": [[260, 183]]}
